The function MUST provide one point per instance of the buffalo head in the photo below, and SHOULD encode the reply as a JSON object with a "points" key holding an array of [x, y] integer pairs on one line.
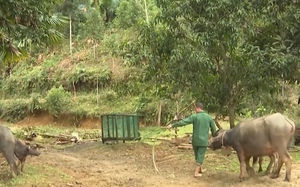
{"points": [[32, 150], [216, 141]]}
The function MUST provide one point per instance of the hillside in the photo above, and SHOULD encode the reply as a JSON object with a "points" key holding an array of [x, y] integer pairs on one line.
{"points": [[71, 90], [80, 59]]}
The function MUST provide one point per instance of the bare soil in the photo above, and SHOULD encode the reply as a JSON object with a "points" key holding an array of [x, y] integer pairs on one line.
{"points": [[130, 164]]}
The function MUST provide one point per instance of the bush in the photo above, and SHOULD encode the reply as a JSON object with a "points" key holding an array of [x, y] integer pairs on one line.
{"points": [[35, 103], [57, 101], [13, 110]]}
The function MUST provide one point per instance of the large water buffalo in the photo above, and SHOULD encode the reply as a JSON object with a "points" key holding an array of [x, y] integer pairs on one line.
{"points": [[258, 137], [14, 151]]}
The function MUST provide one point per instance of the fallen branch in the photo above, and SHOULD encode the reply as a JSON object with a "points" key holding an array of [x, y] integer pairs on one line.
{"points": [[53, 136], [62, 142], [161, 139], [167, 158], [293, 149], [185, 147], [186, 144]]}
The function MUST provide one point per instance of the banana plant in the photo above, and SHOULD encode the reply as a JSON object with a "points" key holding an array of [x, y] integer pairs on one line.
{"points": [[25, 24]]}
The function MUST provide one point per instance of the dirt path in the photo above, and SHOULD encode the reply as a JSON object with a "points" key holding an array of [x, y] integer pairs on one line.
{"points": [[130, 165]]}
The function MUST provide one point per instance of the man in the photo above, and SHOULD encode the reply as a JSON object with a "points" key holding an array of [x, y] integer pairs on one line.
{"points": [[202, 123]]}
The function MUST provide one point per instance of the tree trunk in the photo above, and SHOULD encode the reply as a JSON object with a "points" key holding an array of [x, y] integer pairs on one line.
{"points": [[216, 120], [159, 114], [231, 114], [70, 32]]}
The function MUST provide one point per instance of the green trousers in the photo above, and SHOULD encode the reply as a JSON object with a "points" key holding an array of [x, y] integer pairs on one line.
{"points": [[199, 152]]}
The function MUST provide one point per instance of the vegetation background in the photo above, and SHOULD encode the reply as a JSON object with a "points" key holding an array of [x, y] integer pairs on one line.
{"points": [[67, 62], [84, 58]]}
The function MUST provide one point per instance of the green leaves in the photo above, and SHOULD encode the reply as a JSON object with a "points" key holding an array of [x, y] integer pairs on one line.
{"points": [[25, 23], [57, 101], [220, 51]]}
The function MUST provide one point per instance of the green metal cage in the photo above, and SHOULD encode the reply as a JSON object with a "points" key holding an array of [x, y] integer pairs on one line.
{"points": [[115, 127]]}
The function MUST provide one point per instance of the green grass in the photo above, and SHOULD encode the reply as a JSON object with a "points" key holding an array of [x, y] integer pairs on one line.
{"points": [[149, 133], [36, 176]]}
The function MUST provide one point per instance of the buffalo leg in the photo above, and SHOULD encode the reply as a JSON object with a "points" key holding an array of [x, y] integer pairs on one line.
{"points": [[276, 158], [249, 169], [22, 164], [12, 161], [241, 157], [254, 162], [272, 160], [277, 170], [288, 164], [260, 161], [286, 159]]}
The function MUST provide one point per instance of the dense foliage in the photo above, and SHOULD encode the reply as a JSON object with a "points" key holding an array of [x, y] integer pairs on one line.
{"points": [[237, 57]]}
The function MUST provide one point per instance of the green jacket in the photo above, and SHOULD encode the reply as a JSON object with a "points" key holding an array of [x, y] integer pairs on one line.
{"points": [[202, 122]]}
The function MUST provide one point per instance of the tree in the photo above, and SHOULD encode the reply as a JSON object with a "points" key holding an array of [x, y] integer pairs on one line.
{"points": [[26, 23], [128, 13], [209, 48], [108, 8], [278, 34]]}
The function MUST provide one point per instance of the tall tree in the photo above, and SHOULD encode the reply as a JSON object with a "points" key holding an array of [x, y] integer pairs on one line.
{"points": [[210, 49]]}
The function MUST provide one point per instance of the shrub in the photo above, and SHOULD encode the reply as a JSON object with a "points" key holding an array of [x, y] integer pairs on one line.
{"points": [[13, 110], [57, 101]]}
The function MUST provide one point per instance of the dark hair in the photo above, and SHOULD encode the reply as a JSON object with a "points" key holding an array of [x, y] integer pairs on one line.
{"points": [[198, 105]]}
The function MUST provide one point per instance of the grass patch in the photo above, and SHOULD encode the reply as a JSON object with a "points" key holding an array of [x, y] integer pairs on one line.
{"points": [[152, 132], [295, 156], [37, 176]]}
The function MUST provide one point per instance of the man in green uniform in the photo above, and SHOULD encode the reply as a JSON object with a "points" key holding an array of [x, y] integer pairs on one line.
{"points": [[202, 123]]}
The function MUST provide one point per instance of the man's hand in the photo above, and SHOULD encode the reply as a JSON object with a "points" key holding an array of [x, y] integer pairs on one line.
{"points": [[169, 127]]}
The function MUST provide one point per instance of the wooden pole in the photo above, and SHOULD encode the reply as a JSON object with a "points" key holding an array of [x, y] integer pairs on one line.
{"points": [[70, 37], [159, 114]]}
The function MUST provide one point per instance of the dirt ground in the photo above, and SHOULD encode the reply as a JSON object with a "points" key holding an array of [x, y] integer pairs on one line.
{"points": [[130, 164], [90, 164]]}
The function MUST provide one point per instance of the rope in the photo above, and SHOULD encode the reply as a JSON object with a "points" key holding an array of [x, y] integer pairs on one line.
{"points": [[223, 139], [153, 157], [153, 146]]}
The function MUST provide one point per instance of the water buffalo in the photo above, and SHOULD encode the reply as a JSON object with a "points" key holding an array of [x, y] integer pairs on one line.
{"points": [[273, 160], [258, 137], [22, 151], [13, 150]]}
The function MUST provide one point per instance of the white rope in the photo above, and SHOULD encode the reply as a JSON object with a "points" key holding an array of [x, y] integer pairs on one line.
{"points": [[153, 157]]}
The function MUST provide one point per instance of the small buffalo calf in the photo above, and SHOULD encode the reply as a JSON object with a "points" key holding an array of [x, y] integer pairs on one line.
{"points": [[22, 151]]}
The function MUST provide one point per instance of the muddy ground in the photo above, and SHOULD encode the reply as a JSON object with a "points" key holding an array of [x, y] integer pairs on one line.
{"points": [[130, 165]]}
